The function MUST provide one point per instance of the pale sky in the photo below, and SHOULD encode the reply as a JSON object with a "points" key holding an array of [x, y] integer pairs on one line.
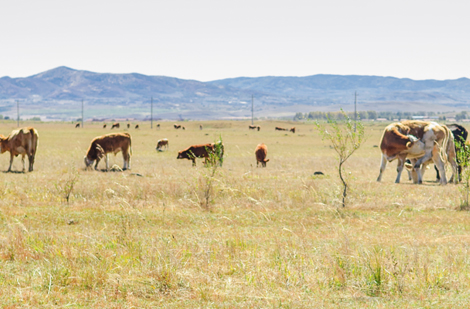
{"points": [[214, 39]]}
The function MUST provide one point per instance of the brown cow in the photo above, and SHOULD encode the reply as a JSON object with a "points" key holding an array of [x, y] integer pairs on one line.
{"points": [[259, 128], [115, 125], [183, 128], [128, 125], [162, 143], [203, 151], [77, 125], [177, 126], [158, 126], [109, 143], [136, 126], [200, 127], [104, 126], [21, 142], [251, 127], [261, 152], [280, 129], [292, 129], [420, 141]]}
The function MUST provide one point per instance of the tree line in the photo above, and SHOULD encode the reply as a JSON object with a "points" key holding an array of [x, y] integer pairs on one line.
{"points": [[374, 115]]}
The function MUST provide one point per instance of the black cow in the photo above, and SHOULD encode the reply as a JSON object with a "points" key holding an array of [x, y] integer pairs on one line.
{"points": [[460, 137]]}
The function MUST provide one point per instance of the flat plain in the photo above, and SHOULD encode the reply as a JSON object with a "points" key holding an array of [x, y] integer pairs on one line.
{"points": [[270, 237]]}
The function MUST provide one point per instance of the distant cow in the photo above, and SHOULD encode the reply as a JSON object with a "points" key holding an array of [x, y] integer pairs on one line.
{"points": [[202, 151], [292, 129], [177, 126], [200, 127], [110, 143], [136, 126], [104, 126], [280, 129], [77, 125], [128, 125], [162, 143], [261, 152], [21, 142], [115, 125], [183, 128], [252, 127], [259, 128], [158, 126]]}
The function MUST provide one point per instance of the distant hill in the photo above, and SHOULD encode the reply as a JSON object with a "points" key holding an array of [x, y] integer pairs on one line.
{"points": [[55, 93]]}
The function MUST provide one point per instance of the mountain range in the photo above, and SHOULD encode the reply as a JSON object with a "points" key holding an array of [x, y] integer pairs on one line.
{"points": [[56, 93]]}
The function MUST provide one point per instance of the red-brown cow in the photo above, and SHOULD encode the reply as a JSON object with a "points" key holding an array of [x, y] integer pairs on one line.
{"points": [[21, 142], [261, 152], [203, 151], [110, 143], [115, 125], [292, 129]]}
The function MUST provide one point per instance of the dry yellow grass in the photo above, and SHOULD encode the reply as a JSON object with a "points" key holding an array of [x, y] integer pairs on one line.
{"points": [[273, 237]]}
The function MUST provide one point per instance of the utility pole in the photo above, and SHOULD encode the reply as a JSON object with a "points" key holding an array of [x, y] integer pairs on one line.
{"points": [[18, 113], [151, 113], [251, 109], [82, 113], [355, 110]]}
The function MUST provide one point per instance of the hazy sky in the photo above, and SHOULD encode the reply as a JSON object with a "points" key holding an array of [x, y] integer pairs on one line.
{"points": [[207, 40]]}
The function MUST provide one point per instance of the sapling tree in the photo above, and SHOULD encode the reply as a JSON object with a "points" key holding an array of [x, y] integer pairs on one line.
{"points": [[463, 160], [345, 136]]}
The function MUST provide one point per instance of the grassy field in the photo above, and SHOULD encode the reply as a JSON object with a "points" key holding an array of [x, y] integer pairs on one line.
{"points": [[271, 238]]}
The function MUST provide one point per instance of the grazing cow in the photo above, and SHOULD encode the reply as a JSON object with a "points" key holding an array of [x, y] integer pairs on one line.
{"points": [[128, 125], [115, 125], [177, 126], [259, 128], [104, 126], [252, 127], [200, 127], [21, 142], [261, 152], [110, 143], [136, 126], [158, 126], [280, 129], [77, 125], [420, 141], [162, 143], [183, 128], [202, 151], [292, 129]]}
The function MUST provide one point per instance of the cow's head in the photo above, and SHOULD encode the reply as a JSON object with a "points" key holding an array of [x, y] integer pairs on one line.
{"points": [[414, 145], [3, 143], [182, 155], [93, 154]]}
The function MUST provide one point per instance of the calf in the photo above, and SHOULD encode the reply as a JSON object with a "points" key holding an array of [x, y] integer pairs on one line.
{"points": [[203, 151], [261, 152], [110, 143], [115, 125], [22, 142], [162, 143]]}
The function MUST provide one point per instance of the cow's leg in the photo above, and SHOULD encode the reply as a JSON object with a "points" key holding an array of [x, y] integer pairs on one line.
{"points": [[455, 168], [194, 161], [96, 164], [414, 174], [22, 160], [417, 165], [107, 162], [11, 162], [383, 164], [400, 164], [31, 162], [438, 177], [436, 157]]}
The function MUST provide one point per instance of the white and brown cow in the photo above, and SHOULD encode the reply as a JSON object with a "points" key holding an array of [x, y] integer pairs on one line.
{"points": [[261, 152], [162, 143], [420, 141], [110, 143], [21, 142]]}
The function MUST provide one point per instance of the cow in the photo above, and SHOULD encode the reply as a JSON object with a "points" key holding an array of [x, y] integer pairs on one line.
{"points": [[162, 143], [292, 129], [460, 137], [280, 129], [200, 127], [128, 125], [77, 125], [22, 142], [259, 128], [104, 126], [177, 126], [109, 143], [260, 152], [252, 127], [136, 126], [183, 128], [203, 151], [418, 140], [115, 125], [158, 126]]}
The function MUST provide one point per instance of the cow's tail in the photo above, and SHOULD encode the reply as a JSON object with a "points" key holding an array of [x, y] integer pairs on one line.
{"points": [[33, 143], [447, 141]]}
